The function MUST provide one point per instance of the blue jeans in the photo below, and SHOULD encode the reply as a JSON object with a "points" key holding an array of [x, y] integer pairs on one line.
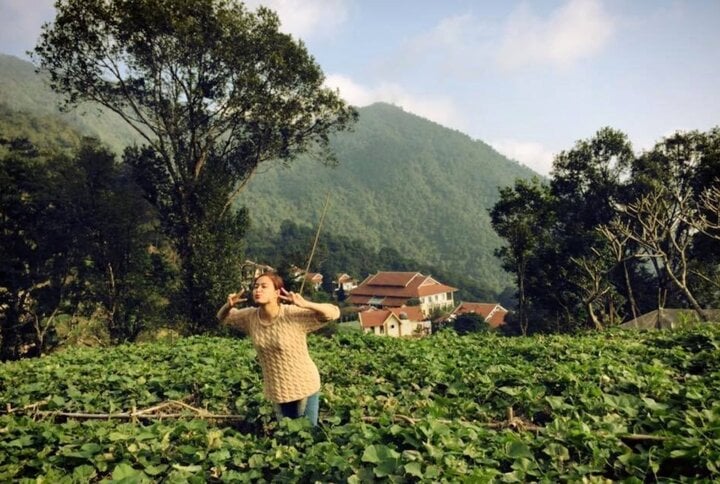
{"points": [[305, 407]]}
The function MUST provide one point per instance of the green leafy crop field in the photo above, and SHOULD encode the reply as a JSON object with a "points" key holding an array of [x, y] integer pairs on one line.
{"points": [[613, 406]]}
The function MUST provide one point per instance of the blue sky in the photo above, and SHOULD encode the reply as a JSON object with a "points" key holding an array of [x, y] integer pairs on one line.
{"points": [[528, 77]]}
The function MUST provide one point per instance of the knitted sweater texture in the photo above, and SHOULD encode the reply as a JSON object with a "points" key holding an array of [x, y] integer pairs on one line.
{"points": [[288, 371]]}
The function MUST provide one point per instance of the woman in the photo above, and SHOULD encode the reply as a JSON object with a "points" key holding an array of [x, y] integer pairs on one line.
{"points": [[279, 333]]}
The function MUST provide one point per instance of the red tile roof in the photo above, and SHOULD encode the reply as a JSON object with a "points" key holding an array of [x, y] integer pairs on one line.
{"points": [[395, 288], [413, 313], [314, 276], [344, 278], [377, 317], [493, 313], [372, 318]]}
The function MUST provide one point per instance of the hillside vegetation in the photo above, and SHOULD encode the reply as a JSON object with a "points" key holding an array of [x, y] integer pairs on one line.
{"points": [[639, 407], [22, 90], [402, 182]]}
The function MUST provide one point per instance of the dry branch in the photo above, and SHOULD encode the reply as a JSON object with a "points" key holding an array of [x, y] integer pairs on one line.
{"points": [[155, 412]]}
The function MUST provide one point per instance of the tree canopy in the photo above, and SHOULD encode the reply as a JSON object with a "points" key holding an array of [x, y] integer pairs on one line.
{"points": [[214, 90], [614, 234]]}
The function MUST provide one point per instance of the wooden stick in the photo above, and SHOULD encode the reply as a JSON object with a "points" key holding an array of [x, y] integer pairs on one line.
{"points": [[513, 422], [317, 236]]}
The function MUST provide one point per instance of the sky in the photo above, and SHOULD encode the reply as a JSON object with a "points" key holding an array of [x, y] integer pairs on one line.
{"points": [[530, 78]]}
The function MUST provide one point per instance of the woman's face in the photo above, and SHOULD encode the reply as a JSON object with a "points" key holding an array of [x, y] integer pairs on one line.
{"points": [[264, 291]]}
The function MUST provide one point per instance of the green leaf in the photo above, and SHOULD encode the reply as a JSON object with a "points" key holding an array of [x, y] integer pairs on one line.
{"points": [[191, 469], [126, 471], [414, 469], [517, 450], [386, 460], [557, 451], [256, 461], [378, 453], [512, 391], [116, 436], [91, 448], [84, 473], [155, 470], [653, 405]]}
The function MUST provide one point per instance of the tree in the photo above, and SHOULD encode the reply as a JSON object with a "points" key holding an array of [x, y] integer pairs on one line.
{"points": [[664, 208], [470, 323], [595, 288], [126, 272], [587, 184], [74, 239], [37, 251], [522, 216], [553, 246], [214, 91]]}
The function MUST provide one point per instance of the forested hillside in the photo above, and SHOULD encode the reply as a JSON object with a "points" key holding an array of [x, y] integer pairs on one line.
{"points": [[24, 91], [402, 182]]}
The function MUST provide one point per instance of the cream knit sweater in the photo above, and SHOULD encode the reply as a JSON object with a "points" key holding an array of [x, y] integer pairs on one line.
{"points": [[288, 371]]}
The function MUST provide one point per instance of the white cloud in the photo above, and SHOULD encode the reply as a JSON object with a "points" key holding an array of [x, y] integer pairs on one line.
{"points": [[455, 48], [307, 18], [579, 29], [438, 109], [531, 154]]}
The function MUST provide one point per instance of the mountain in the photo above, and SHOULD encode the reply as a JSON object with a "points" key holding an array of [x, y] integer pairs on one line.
{"points": [[23, 90], [402, 182]]}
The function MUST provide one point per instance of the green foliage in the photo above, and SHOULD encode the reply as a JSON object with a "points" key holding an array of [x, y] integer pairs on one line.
{"points": [[423, 161], [214, 90], [75, 240], [574, 270], [343, 254], [403, 184], [32, 112], [46, 132], [470, 323], [591, 394]]}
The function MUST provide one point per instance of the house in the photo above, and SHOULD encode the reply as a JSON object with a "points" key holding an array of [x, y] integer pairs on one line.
{"points": [[252, 270], [299, 276], [345, 282], [492, 313], [395, 322], [669, 319], [315, 279], [396, 289]]}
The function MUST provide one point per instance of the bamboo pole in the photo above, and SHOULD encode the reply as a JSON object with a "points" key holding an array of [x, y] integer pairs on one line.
{"points": [[317, 236]]}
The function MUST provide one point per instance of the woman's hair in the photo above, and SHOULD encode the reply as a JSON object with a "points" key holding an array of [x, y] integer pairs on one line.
{"points": [[274, 277]]}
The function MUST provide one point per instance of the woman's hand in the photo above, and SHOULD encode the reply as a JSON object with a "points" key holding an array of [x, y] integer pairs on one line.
{"points": [[235, 298], [325, 311], [294, 298]]}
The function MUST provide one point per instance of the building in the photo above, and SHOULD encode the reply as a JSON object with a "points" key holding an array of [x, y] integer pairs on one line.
{"points": [[398, 289], [315, 279], [251, 270], [492, 313], [669, 318], [345, 282], [395, 322]]}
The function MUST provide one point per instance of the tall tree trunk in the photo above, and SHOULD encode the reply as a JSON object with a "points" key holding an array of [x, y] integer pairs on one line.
{"points": [[630, 294], [688, 295]]}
